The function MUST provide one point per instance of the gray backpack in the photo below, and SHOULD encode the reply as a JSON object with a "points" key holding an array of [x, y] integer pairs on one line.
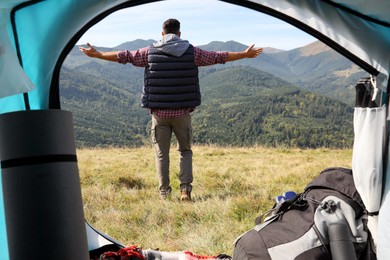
{"points": [[326, 221]]}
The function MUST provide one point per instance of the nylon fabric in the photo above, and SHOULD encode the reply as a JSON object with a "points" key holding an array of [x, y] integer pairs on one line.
{"points": [[367, 158], [296, 247], [165, 75], [3, 234], [383, 236], [377, 10]]}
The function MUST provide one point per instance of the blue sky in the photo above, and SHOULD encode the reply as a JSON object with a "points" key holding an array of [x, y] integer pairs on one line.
{"points": [[202, 21]]}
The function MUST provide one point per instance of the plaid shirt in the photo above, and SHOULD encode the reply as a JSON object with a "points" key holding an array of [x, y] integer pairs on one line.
{"points": [[139, 58]]}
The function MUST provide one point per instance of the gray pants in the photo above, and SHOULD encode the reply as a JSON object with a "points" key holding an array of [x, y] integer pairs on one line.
{"points": [[161, 135]]}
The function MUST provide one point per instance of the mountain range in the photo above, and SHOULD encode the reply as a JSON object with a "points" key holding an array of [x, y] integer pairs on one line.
{"points": [[302, 97]]}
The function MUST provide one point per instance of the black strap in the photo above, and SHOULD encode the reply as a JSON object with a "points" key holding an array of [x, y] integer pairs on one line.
{"points": [[39, 159]]}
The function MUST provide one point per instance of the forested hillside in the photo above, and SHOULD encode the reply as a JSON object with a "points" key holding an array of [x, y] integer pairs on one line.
{"points": [[245, 106], [104, 114]]}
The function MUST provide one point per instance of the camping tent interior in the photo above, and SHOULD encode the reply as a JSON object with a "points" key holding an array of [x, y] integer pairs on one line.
{"points": [[37, 35]]}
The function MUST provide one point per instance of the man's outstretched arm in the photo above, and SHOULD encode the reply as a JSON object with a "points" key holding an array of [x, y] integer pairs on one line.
{"points": [[250, 52], [92, 52]]}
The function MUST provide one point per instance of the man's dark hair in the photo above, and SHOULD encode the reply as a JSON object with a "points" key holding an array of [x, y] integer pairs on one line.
{"points": [[171, 26]]}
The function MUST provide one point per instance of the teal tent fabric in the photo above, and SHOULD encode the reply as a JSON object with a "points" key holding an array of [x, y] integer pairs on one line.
{"points": [[43, 29], [37, 35], [3, 232]]}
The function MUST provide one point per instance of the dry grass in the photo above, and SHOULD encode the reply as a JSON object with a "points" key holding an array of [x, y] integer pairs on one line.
{"points": [[232, 187]]}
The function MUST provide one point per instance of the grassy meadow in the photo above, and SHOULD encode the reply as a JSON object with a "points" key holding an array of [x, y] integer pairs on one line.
{"points": [[231, 187]]}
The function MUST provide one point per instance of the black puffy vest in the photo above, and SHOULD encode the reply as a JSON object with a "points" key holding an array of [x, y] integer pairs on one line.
{"points": [[171, 82]]}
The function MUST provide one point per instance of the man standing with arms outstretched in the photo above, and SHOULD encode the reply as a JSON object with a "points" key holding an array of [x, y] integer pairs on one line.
{"points": [[171, 91]]}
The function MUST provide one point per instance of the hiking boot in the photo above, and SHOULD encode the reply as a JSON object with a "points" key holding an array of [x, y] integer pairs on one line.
{"points": [[165, 193], [185, 195]]}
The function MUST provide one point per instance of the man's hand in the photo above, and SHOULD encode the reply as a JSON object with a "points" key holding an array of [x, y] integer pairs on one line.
{"points": [[250, 52], [91, 51]]}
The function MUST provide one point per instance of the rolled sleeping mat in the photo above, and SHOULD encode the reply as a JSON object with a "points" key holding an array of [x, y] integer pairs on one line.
{"points": [[41, 186]]}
